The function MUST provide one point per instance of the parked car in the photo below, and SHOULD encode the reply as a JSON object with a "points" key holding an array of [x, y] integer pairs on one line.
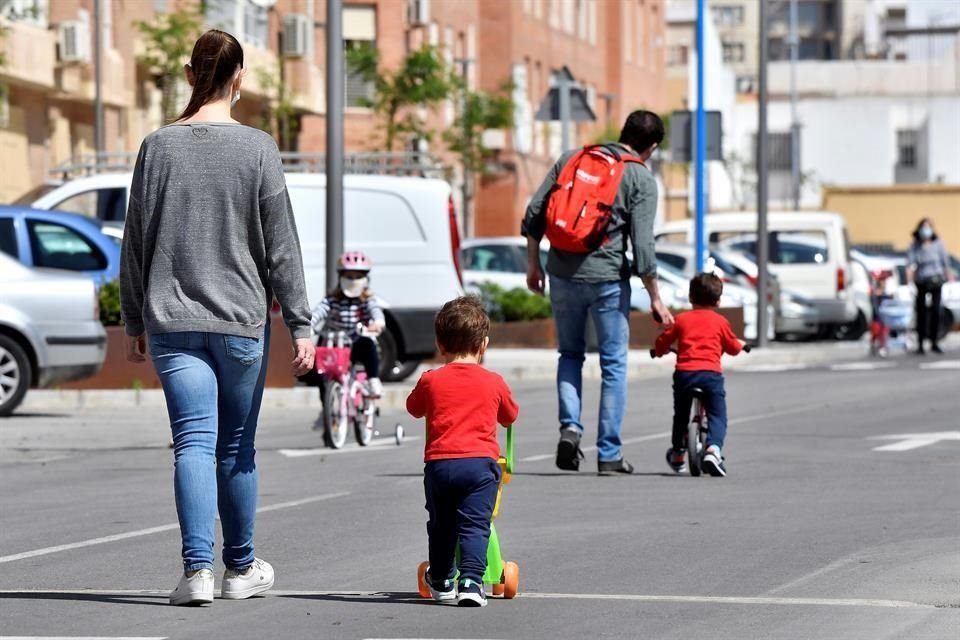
{"points": [[809, 253], [57, 240], [50, 330], [407, 225]]}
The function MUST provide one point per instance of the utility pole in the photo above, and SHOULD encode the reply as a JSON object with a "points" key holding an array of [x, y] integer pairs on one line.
{"points": [[334, 169], [763, 258], [700, 141], [794, 121], [467, 189], [563, 92], [98, 133]]}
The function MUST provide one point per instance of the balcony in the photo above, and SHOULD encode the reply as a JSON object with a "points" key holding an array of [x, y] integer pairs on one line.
{"points": [[77, 80], [31, 54]]}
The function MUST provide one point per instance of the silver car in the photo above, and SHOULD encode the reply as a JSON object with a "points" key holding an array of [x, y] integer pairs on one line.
{"points": [[50, 330]]}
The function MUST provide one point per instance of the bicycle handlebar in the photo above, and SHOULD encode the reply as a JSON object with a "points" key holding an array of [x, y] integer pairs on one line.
{"points": [[653, 352]]}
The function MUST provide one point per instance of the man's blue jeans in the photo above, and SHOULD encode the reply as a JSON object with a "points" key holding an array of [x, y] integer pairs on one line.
{"points": [[213, 384], [608, 303]]}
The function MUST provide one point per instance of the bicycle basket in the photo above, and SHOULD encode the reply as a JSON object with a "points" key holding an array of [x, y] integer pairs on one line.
{"points": [[333, 361]]}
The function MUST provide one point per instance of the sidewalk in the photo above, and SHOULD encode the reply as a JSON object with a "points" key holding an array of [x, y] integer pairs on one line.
{"points": [[516, 365]]}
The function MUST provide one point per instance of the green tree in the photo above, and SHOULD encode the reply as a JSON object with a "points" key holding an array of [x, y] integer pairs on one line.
{"points": [[423, 79], [478, 112], [169, 39], [280, 114]]}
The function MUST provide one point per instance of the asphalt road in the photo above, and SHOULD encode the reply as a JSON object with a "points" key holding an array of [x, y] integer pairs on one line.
{"points": [[814, 534]]}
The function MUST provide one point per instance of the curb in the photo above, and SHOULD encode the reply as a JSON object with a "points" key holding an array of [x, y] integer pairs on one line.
{"points": [[534, 366]]}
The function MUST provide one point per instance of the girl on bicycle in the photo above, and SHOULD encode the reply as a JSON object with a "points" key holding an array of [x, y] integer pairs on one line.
{"points": [[348, 307]]}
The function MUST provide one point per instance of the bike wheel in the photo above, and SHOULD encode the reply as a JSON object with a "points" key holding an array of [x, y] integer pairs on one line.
{"points": [[694, 449], [334, 418], [364, 422]]}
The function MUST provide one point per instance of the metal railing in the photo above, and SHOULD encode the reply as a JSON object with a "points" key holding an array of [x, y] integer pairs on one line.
{"points": [[407, 163]]}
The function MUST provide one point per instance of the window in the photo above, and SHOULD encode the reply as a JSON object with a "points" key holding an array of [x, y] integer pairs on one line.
{"points": [[359, 29], [745, 84], [785, 247], [778, 151], [627, 20], [733, 52], [677, 262], [678, 55], [55, 246], [28, 11], [8, 238], [492, 257], [255, 23], [727, 16], [108, 205], [907, 140], [246, 19]]}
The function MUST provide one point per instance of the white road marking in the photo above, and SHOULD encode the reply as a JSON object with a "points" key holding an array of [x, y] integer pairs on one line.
{"points": [[862, 366], [83, 638], [942, 364], [350, 448], [532, 595], [813, 575], [910, 441], [150, 531], [768, 368]]}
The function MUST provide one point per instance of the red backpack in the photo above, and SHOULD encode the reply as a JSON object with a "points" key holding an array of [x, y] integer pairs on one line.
{"points": [[580, 204]]}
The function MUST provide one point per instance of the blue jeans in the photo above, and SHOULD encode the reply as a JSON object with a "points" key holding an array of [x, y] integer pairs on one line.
{"points": [[460, 498], [608, 303], [714, 403], [213, 384]]}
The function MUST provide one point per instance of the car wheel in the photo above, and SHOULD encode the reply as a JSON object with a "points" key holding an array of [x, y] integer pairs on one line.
{"points": [[15, 375], [853, 330], [946, 323]]}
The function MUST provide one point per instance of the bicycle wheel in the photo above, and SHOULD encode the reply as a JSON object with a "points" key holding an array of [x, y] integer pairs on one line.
{"points": [[334, 419], [364, 420], [694, 448]]}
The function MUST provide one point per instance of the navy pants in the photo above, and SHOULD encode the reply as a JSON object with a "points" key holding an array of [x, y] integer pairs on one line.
{"points": [[460, 497], [714, 402]]}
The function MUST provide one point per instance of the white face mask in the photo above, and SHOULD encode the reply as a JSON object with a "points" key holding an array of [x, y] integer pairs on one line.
{"points": [[353, 288], [235, 99], [926, 232]]}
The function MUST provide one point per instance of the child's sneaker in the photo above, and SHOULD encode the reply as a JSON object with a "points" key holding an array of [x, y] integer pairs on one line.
{"points": [[240, 585], [194, 589], [376, 387], [677, 460], [713, 462], [442, 591], [471, 594]]}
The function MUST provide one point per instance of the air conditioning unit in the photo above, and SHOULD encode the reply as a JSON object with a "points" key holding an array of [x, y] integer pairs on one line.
{"points": [[297, 32], [418, 13], [74, 40]]}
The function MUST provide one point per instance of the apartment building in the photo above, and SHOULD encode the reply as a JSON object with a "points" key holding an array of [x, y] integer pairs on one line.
{"points": [[615, 49]]}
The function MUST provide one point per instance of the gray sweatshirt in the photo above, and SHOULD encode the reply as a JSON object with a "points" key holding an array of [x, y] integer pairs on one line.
{"points": [[930, 260], [210, 237]]}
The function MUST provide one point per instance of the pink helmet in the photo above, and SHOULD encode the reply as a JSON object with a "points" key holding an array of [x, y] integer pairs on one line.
{"points": [[353, 261]]}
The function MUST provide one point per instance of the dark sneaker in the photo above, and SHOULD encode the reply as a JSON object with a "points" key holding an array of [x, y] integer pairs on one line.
{"points": [[471, 594], [568, 450], [936, 349], [713, 462], [441, 590], [677, 460], [615, 466]]}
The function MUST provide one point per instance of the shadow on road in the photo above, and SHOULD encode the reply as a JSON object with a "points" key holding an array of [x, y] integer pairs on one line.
{"points": [[149, 600], [385, 597]]}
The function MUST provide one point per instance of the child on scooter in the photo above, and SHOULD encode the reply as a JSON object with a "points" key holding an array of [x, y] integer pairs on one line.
{"points": [[350, 304], [702, 336], [463, 402]]}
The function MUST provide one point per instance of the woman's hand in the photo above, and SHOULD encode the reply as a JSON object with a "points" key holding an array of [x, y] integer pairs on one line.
{"points": [[304, 352], [136, 348]]}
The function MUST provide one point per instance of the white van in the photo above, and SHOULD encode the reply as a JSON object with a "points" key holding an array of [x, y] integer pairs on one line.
{"points": [[406, 225], [809, 253]]}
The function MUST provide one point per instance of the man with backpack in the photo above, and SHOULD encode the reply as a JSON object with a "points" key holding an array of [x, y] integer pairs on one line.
{"points": [[593, 203]]}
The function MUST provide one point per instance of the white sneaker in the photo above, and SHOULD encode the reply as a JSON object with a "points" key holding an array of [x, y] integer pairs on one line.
{"points": [[257, 578], [194, 590], [376, 387]]}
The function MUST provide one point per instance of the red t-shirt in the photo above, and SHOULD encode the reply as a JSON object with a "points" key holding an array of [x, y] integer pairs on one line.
{"points": [[702, 336], [463, 404]]}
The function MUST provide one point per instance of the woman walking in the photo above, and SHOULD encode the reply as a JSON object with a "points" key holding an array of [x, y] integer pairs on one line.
{"points": [[209, 242], [928, 267]]}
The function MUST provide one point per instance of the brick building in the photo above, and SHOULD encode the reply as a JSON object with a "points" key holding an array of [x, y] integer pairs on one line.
{"points": [[615, 48]]}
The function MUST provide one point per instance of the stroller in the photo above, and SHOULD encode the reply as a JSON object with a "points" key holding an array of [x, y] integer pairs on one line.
{"points": [[891, 318]]}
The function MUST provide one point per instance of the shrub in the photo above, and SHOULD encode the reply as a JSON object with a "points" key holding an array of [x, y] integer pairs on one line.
{"points": [[110, 304], [515, 305]]}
